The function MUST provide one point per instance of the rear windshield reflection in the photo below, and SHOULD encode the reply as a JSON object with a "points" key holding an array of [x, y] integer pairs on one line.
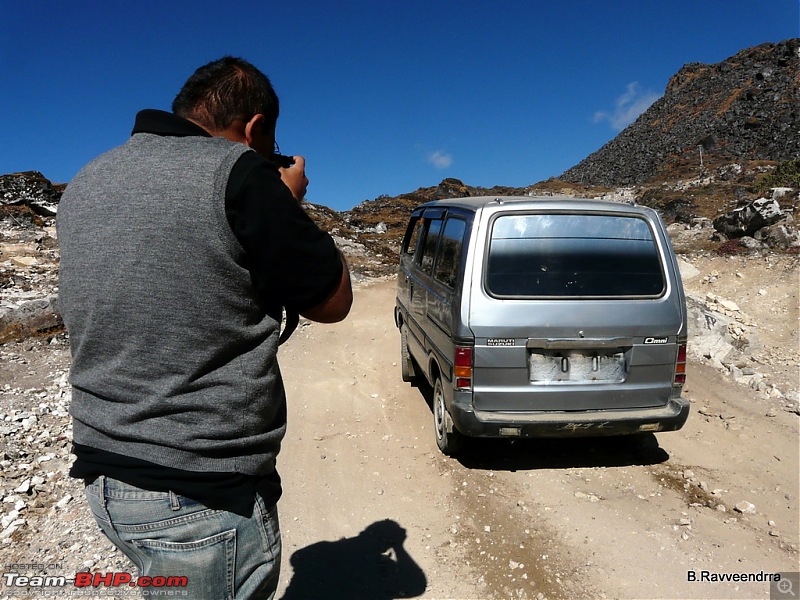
{"points": [[573, 256]]}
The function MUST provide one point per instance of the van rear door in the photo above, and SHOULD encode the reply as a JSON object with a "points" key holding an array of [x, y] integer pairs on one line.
{"points": [[575, 311]]}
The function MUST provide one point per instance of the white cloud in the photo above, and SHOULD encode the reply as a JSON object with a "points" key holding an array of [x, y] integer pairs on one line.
{"points": [[628, 107], [440, 160]]}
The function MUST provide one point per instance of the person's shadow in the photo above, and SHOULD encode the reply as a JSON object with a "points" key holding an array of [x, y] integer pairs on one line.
{"points": [[371, 566]]}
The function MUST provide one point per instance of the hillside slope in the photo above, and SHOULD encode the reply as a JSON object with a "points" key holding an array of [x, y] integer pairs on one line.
{"points": [[744, 108]]}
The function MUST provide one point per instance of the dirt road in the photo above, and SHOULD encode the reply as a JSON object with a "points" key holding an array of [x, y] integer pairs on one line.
{"points": [[371, 509]]}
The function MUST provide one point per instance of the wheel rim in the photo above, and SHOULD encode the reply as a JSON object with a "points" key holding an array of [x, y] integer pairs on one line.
{"points": [[438, 410]]}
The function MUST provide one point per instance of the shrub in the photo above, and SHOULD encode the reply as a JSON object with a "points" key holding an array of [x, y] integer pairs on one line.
{"points": [[731, 247], [786, 174]]}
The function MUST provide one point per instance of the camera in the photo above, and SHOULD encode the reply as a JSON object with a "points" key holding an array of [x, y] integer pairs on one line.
{"points": [[282, 161]]}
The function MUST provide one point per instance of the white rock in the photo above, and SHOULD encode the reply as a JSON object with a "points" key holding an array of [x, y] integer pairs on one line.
{"points": [[12, 527], [9, 518], [745, 507], [687, 270], [729, 305], [24, 261], [64, 501]]}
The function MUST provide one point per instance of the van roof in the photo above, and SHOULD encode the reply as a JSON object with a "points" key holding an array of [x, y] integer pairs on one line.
{"points": [[475, 202]]}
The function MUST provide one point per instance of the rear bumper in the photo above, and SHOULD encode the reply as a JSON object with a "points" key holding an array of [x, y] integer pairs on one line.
{"points": [[670, 417]]}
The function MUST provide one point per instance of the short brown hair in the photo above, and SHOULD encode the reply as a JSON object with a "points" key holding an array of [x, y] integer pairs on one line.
{"points": [[226, 90]]}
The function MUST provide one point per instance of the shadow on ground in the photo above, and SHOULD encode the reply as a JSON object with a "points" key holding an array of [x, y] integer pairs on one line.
{"points": [[561, 453], [371, 566]]}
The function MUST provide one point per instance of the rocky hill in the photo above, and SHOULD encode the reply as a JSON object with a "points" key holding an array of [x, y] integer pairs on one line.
{"points": [[744, 108], [722, 137]]}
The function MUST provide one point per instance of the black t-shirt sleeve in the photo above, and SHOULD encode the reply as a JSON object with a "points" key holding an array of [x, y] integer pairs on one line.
{"points": [[291, 260]]}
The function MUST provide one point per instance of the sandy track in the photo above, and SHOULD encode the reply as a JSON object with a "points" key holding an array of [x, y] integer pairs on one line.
{"points": [[543, 518], [372, 510]]}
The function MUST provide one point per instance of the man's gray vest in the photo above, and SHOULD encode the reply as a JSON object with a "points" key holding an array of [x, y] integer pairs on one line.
{"points": [[174, 356]]}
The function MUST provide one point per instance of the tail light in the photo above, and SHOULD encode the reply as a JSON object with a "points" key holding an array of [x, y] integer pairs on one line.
{"points": [[462, 370], [680, 366]]}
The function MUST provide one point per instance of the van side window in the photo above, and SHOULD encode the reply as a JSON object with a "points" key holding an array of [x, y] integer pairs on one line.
{"points": [[432, 229], [412, 235], [446, 269]]}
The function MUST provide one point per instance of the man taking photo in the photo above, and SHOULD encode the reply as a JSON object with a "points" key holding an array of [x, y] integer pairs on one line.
{"points": [[180, 250]]}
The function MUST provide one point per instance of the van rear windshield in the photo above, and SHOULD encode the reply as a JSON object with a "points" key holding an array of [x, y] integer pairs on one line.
{"points": [[573, 255]]}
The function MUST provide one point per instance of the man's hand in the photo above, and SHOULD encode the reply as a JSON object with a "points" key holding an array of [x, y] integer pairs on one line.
{"points": [[295, 178]]}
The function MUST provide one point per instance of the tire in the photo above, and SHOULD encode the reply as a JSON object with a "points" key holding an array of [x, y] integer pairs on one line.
{"points": [[449, 440], [407, 370]]}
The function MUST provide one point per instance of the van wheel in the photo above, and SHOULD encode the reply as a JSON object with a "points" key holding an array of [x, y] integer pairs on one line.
{"points": [[448, 438], [407, 370]]}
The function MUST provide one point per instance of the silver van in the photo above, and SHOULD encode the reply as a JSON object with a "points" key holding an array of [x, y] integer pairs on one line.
{"points": [[542, 317]]}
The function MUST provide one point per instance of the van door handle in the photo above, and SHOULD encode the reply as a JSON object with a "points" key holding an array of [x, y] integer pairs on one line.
{"points": [[586, 343]]}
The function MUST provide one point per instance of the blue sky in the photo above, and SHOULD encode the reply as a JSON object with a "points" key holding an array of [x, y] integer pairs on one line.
{"points": [[380, 97]]}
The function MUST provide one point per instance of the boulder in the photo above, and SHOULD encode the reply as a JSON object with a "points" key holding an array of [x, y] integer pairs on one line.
{"points": [[780, 235], [32, 189], [29, 318], [747, 220]]}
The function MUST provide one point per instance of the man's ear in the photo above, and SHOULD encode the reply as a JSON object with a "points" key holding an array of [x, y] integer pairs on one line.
{"points": [[253, 129], [258, 135]]}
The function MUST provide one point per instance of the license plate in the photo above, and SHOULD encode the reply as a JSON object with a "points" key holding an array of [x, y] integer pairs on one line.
{"points": [[546, 366]]}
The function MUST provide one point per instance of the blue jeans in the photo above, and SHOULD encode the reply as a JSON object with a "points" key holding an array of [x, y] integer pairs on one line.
{"points": [[222, 555]]}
